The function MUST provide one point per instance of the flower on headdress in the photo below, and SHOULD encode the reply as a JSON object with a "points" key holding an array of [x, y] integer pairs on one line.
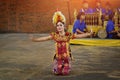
{"points": [[58, 16]]}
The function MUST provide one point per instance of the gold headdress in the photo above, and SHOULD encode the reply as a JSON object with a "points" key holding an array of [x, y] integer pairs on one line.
{"points": [[58, 16]]}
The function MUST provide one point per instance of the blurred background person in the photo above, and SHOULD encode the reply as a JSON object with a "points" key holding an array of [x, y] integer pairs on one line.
{"points": [[108, 9], [85, 8], [99, 7]]}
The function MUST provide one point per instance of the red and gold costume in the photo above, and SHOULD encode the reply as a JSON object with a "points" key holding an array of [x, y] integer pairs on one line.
{"points": [[62, 53]]}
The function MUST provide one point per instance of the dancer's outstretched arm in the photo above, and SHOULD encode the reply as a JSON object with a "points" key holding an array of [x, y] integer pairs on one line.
{"points": [[40, 39]]}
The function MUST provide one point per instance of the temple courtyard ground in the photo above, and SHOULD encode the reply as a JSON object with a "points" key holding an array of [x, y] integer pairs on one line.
{"points": [[22, 59]]}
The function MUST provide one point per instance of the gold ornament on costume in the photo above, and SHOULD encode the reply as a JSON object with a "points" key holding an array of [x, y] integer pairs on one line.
{"points": [[58, 16]]}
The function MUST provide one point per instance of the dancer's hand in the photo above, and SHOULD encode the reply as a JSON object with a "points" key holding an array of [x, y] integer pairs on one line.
{"points": [[90, 33], [118, 34], [30, 36]]}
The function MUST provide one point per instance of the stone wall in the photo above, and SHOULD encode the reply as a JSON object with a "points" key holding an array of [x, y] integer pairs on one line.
{"points": [[36, 15]]}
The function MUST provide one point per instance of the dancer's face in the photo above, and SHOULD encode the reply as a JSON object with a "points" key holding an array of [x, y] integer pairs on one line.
{"points": [[60, 27]]}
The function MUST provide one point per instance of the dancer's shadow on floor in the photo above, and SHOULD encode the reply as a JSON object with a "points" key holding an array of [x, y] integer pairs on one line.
{"points": [[46, 74]]}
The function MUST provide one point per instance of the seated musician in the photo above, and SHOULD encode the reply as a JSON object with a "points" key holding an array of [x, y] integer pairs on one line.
{"points": [[108, 11], [79, 26], [86, 8], [110, 29], [99, 9]]}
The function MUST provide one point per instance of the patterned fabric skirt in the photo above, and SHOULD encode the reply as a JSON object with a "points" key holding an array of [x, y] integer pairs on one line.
{"points": [[61, 66]]}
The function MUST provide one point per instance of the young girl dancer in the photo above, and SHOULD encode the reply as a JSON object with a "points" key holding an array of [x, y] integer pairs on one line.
{"points": [[62, 49]]}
